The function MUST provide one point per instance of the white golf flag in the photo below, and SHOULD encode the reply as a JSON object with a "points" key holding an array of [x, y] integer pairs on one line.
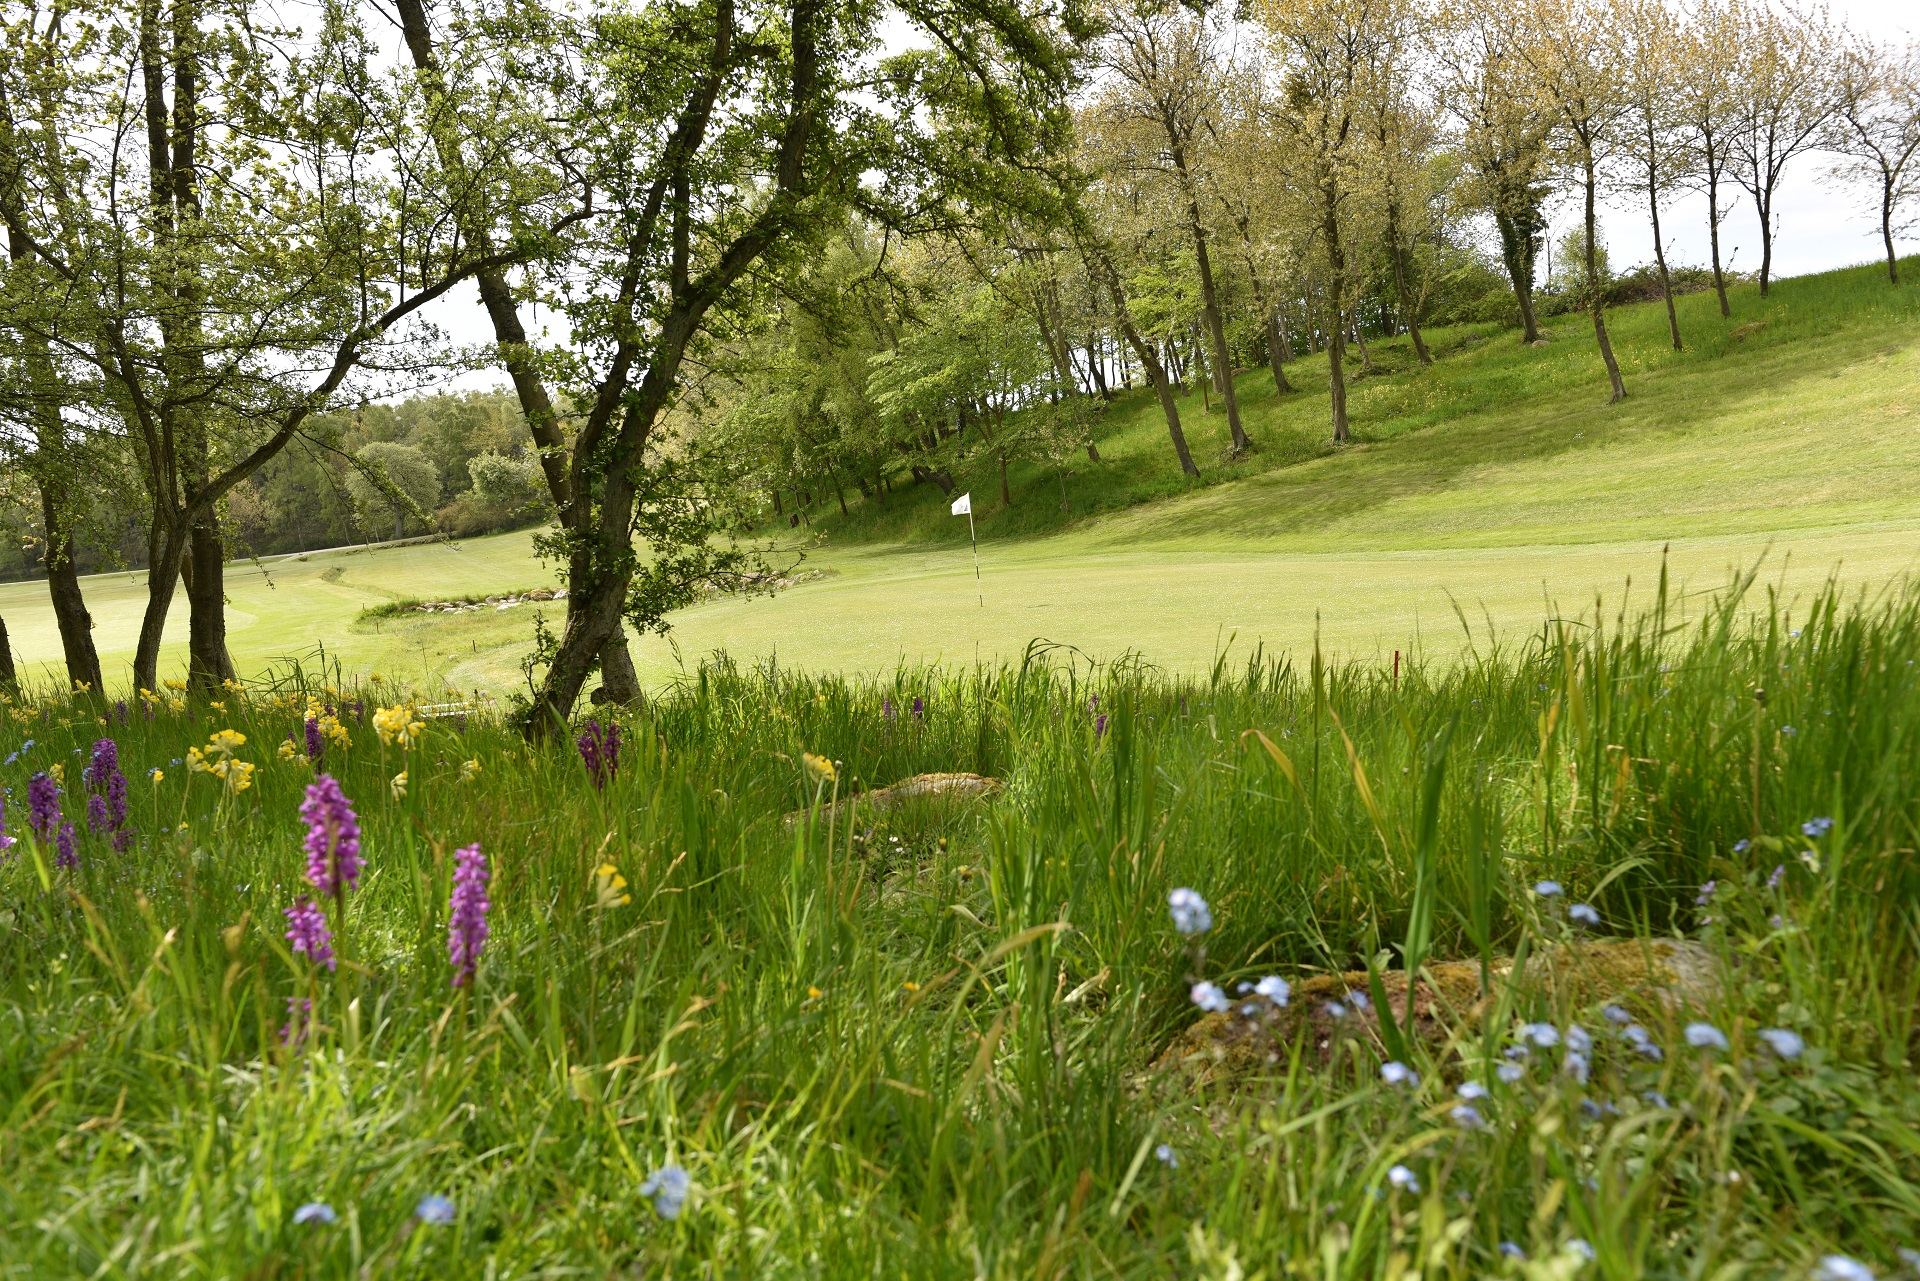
{"points": [[963, 505]]}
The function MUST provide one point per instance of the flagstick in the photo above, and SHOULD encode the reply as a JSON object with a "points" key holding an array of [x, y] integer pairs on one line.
{"points": [[976, 558]]}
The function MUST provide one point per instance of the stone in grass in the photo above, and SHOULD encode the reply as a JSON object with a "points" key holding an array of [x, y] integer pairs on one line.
{"points": [[1254, 1035], [958, 787]]}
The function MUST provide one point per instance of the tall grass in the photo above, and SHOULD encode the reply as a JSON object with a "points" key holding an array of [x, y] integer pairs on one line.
{"points": [[921, 1041]]}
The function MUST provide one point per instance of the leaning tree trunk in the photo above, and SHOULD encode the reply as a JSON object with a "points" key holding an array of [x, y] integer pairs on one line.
{"points": [[1150, 362], [619, 683], [1713, 226], [166, 553], [1886, 229], [1596, 296], [209, 664], [1407, 316], [69, 603], [1763, 203], [1516, 252]]}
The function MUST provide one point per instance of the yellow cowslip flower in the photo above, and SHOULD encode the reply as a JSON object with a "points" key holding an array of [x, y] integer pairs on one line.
{"points": [[819, 768], [287, 750], [399, 786], [180, 686], [814, 994], [911, 986], [226, 742], [156, 776], [81, 687], [58, 773], [469, 770], [609, 887], [216, 705], [396, 725], [335, 731], [374, 677], [233, 686], [239, 775]]}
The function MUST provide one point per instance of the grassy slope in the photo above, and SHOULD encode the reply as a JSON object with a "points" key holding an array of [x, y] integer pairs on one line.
{"points": [[1497, 478]]}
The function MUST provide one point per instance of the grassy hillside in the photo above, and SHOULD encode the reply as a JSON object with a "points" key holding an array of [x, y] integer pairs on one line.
{"points": [[1498, 480]]}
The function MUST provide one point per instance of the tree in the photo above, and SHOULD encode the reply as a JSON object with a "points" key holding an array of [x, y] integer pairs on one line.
{"points": [[1159, 74], [1503, 134], [1402, 136], [1576, 65], [1707, 105], [1324, 54], [390, 482], [1876, 126], [1651, 135], [1783, 98], [235, 220], [718, 142]]}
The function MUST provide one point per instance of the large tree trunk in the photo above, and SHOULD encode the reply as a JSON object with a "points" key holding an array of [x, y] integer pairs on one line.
{"points": [[1216, 330], [619, 683], [69, 604], [1596, 296], [1660, 254], [208, 663], [9, 678], [166, 552]]}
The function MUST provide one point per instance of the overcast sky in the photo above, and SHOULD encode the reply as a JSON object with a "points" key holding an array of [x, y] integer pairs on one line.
{"points": [[1822, 221]]}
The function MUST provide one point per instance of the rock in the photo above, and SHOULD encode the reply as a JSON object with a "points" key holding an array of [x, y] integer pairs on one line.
{"points": [[1650, 974], [539, 593], [1540, 342], [964, 787]]}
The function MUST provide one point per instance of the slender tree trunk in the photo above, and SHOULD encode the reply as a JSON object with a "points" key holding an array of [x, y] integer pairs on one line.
{"points": [[1407, 317], [1336, 311], [1660, 256], [1713, 224], [166, 554], [1360, 338], [1596, 296], [69, 604], [1763, 202], [1276, 346], [1150, 363], [1006, 494], [1886, 228]]}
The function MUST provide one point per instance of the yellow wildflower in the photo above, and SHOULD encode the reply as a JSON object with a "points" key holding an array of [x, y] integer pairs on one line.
{"points": [[287, 749], [609, 886], [81, 687], [819, 768], [239, 775], [396, 725], [814, 994], [470, 770], [233, 686], [217, 705], [181, 686], [911, 986], [226, 742], [156, 776], [399, 786]]}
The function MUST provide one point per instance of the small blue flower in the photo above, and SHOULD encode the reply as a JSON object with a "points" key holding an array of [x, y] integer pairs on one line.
{"points": [[1335, 1010], [1358, 1000], [1168, 1157], [1398, 1073], [1404, 1179], [1547, 889], [668, 1187], [1471, 1090], [1274, 989], [1578, 1040], [1511, 1073], [1583, 914], [1468, 1117], [1839, 1267], [1191, 915], [1788, 731], [1742, 845], [1705, 1036], [1616, 1014], [1578, 1246], [1653, 1098], [1544, 1035], [315, 1212], [1577, 1066], [1787, 1045], [1509, 1250], [1209, 997], [1779, 875], [1816, 828], [435, 1209], [1591, 1109], [1705, 896]]}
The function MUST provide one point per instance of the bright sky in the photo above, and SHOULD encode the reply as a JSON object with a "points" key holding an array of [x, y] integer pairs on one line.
{"points": [[1822, 222]]}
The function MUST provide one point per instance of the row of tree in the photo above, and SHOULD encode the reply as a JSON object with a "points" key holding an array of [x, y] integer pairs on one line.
{"points": [[725, 252]]}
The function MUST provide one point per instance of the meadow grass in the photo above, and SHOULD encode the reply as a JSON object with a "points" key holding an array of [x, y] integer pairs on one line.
{"points": [[924, 1043]]}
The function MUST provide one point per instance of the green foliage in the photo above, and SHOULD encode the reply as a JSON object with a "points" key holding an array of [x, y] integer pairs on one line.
{"points": [[928, 1033], [391, 482]]}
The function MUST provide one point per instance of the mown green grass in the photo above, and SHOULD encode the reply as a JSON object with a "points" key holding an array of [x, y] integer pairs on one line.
{"points": [[923, 1046]]}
